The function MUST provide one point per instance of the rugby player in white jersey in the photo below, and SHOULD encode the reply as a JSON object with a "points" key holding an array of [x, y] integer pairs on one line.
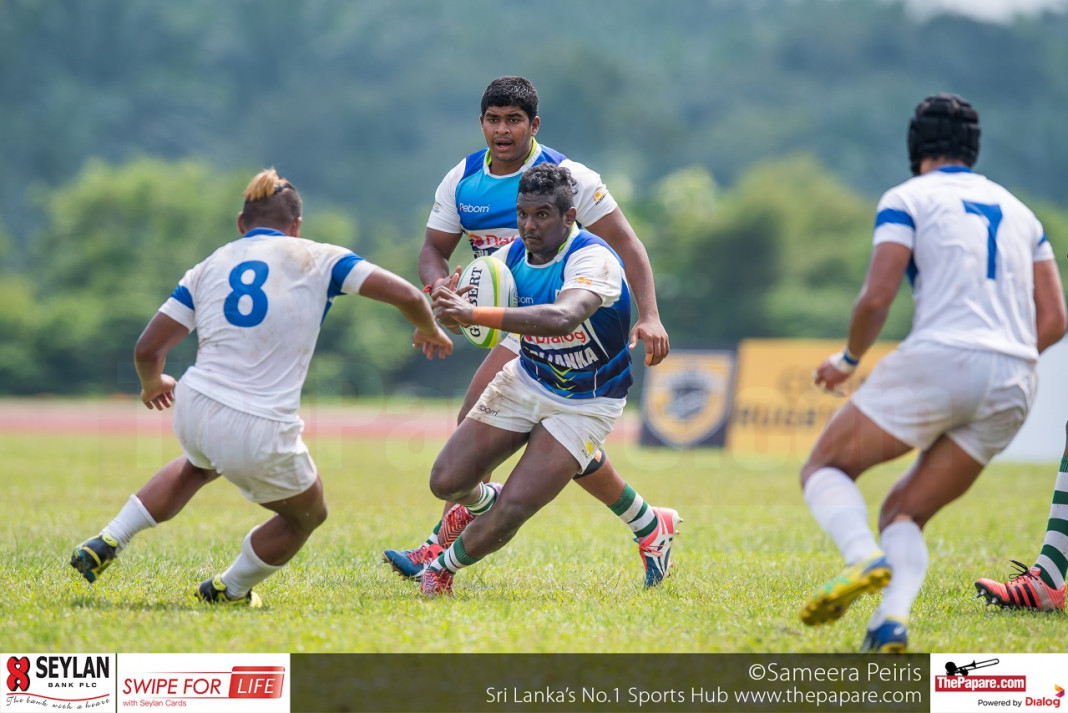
{"points": [[988, 300], [476, 200], [257, 304], [560, 398]]}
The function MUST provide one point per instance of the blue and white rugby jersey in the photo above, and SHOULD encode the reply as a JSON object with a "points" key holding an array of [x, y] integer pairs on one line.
{"points": [[594, 360], [473, 202], [257, 304], [974, 246]]}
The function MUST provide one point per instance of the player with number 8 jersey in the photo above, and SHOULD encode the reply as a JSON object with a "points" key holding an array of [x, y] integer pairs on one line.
{"points": [[274, 291], [257, 304]]}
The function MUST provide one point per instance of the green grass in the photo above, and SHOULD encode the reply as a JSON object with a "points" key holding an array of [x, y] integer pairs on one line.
{"points": [[748, 556]]}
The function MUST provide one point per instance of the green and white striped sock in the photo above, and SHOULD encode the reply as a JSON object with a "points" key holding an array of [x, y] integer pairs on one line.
{"points": [[1052, 560], [432, 539], [486, 497], [455, 558], [632, 509]]}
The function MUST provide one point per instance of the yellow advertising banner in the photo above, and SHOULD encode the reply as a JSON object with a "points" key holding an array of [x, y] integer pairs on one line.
{"points": [[777, 408]]}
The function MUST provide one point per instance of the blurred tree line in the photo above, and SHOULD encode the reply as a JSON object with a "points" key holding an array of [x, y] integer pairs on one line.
{"points": [[747, 142]]}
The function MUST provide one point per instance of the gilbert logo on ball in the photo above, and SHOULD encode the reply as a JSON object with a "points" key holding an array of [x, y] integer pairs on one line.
{"points": [[492, 285]]}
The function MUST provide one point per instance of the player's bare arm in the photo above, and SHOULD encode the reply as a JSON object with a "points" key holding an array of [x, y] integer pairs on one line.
{"points": [[438, 247], [616, 230], [562, 317], [885, 271], [150, 357], [1050, 316], [384, 286]]}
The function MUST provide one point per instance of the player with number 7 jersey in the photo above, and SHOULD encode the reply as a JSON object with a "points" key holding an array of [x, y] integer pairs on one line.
{"points": [[256, 304], [988, 300]]}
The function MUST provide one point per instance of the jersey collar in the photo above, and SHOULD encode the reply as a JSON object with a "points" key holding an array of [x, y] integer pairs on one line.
{"points": [[563, 246], [534, 148], [263, 231], [955, 169]]}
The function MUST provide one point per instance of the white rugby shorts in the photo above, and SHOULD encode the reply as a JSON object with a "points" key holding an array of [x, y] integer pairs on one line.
{"points": [[266, 459], [511, 343], [514, 401], [979, 399]]}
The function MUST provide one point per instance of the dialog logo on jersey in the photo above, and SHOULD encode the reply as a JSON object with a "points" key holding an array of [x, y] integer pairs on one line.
{"points": [[58, 682], [205, 683]]}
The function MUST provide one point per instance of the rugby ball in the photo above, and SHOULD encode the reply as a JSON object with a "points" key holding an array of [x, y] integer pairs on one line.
{"points": [[492, 285]]}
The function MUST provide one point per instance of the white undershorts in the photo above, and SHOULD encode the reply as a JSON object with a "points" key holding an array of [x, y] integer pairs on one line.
{"points": [[266, 459], [920, 391], [514, 401], [511, 343]]}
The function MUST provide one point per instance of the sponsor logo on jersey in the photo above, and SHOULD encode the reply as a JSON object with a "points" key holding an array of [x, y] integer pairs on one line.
{"points": [[599, 195], [567, 341], [484, 244], [472, 208]]}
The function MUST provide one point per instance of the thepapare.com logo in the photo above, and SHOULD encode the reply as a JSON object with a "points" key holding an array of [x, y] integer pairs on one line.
{"points": [[58, 682]]}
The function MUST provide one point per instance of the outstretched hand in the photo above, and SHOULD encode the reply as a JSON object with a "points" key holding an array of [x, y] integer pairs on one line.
{"points": [[652, 332], [437, 344]]}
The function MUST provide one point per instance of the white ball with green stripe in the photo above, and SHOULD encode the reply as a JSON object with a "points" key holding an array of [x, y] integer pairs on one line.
{"points": [[492, 285]]}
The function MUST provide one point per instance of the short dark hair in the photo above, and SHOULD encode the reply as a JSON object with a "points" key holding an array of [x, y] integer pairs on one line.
{"points": [[552, 180], [944, 125], [511, 91], [271, 200]]}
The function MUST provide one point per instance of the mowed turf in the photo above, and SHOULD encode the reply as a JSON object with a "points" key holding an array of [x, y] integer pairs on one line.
{"points": [[748, 555]]}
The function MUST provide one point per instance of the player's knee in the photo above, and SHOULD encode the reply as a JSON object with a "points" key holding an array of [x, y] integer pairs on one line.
{"points": [[807, 470], [598, 460], [445, 484], [319, 517]]}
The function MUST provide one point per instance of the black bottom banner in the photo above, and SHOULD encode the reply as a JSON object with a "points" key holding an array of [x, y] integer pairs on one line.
{"points": [[351, 683]]}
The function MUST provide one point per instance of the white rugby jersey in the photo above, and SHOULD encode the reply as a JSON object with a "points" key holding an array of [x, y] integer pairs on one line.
{"points": [[481, 206], [257, 304], [974, 246]]}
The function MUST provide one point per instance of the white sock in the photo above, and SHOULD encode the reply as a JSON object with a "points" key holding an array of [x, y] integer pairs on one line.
{"points": [[247, 571], [840, 510], [907, 552], [133, 518]]}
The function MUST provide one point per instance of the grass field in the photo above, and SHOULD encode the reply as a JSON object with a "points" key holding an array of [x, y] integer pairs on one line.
{"points": [[748, 555]]}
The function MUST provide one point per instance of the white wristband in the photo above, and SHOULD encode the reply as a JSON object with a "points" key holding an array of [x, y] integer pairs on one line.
{"points": [[840, 362]]}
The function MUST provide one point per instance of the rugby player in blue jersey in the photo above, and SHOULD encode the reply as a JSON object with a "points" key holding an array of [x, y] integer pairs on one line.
{"points": [[476, 200], [560, 398]]}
